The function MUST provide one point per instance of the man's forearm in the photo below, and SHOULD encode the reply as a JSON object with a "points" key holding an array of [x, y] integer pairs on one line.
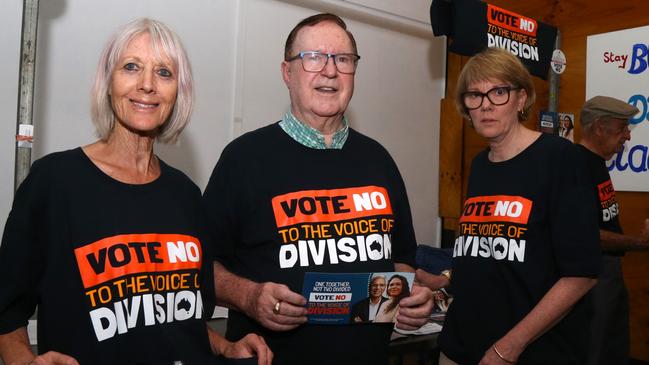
{"points": [[232, 291], [620, 242], [14, 347]]}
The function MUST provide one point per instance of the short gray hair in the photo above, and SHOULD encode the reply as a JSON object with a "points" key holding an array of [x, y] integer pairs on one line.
{"points": [[377, 276], [164, 41]]}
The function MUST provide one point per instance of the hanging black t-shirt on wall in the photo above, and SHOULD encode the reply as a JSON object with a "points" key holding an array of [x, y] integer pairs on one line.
{"points": [[474, 25], [119, 272], [279, 209]]}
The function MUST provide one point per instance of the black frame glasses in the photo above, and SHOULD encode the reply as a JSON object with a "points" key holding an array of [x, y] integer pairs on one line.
{"points": [[491, 94], [316, 63]]}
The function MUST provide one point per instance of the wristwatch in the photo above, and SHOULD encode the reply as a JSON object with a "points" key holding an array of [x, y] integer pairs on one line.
{"points": [[446, 273]]}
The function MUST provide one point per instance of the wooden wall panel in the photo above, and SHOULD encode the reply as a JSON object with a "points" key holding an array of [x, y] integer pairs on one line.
{"points": [[450, 167], [576, 19]]}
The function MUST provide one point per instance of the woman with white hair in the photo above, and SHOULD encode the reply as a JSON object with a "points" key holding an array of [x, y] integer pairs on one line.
{"points": [[107, 239]]}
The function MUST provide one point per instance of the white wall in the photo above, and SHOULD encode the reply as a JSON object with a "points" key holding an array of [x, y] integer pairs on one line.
{"points": [[236, 48], [10, 20]]}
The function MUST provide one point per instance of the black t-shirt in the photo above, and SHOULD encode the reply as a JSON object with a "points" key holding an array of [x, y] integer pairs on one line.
{"points": [[526, 223], [118, 271], [278, 209], [608, 207]]}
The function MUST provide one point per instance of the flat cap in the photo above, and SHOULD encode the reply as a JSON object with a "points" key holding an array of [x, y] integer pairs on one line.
{"points": [[605, 106]]}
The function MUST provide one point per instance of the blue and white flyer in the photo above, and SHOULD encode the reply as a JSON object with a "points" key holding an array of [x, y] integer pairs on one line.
{"points": [[347, 298]]}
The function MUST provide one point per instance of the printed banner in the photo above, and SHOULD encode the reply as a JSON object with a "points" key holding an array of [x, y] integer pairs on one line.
{"points": [[139, 280], [617, 65], [475, 25], [609, 205], [494, 227], [348, 298], [328, 227]]}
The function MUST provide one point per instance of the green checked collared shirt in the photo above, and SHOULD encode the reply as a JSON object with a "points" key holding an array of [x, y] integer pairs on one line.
{"points": [[311, 137]]}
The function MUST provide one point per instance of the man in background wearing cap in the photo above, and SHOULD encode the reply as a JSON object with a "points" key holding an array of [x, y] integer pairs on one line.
{"points": [[605, 129]]}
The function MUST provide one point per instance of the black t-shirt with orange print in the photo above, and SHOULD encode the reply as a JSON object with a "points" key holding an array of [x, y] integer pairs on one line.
{"points": [[120, 272], [608, 207], [278, 209], [526, 223]]}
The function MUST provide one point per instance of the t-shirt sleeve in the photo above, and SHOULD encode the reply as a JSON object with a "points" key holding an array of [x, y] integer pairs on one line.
{"points": [[404, 244], [207, 268], [574, 223], [219, 205], [22, 254]]}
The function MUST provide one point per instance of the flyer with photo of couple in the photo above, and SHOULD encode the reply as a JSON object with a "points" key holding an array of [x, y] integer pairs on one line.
{"points": [[348, 298]]}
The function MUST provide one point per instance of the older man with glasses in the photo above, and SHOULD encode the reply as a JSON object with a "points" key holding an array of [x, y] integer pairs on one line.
{"points": [[310, 194], [605, 129]]}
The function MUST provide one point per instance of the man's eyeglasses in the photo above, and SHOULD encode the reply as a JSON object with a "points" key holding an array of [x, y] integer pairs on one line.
{"points": [[497, 96], [314, 61]]}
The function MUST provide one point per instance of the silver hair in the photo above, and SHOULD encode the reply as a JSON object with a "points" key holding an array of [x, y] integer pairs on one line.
{"points": [[164, 42]]}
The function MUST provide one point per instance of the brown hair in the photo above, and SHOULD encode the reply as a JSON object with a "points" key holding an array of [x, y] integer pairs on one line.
{"points": [[495, 64], [311, 21]]}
